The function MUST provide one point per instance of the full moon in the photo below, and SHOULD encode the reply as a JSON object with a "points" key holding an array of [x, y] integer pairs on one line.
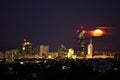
{"points": [[97, 32]]}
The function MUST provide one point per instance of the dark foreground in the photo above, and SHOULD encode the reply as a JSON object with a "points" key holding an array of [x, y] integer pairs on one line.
{"points": [[60, 70]]}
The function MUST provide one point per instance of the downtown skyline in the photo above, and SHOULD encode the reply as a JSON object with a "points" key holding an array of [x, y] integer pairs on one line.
{"points": [[55, 22]]}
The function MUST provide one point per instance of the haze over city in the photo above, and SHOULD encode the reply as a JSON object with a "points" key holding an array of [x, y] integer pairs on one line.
{"points": [[54, 22]]}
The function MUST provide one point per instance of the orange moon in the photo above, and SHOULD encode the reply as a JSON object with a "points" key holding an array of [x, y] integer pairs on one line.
{"points": [[97, 32]]}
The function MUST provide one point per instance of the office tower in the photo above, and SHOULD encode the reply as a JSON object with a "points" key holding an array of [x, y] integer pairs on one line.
{"points": [[70, 53], [82, 48], [27, 47], [90, 49], [44, 50]]}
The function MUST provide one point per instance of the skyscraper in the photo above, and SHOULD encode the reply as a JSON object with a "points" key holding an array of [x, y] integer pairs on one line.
{"points": [[90, 47], [90, 50], [27, 47], [82, 48], [44, 50]]}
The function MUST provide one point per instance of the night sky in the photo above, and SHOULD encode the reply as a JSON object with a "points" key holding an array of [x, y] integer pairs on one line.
{"points": [[52, 22]]}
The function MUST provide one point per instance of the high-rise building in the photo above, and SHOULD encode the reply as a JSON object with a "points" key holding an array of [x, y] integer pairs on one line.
{"points": [[90, 50], [27, 47], [70, 53], [44, 50], [62, 51], [82, 48], [90, 47]]}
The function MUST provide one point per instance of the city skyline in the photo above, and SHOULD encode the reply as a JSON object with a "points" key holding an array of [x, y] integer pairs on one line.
{"points": [[55, 22]]}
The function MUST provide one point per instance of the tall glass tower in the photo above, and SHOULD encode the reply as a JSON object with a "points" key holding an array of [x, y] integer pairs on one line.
{"points": [[82, 48]]}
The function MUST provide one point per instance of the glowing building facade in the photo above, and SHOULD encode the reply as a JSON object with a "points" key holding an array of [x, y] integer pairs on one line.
{"points": [[90, 50], [44, 50], [70, 53]]}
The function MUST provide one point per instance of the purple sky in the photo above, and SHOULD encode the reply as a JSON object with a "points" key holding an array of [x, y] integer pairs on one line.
{"points": [[54, 22]]}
